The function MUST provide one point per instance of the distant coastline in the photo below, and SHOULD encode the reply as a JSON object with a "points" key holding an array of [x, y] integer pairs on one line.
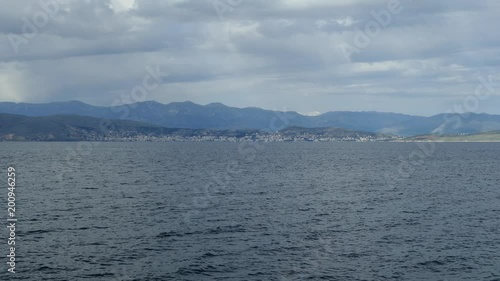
{"points": [[493, 136], [73, 128], [152, 121], [217, 116]]}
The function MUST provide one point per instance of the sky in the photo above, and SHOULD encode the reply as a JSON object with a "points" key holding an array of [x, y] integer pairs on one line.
{"points": [[415, 57]]}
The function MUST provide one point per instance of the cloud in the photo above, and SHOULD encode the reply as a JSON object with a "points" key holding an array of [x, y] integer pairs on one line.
{"points": [[271, 54]]}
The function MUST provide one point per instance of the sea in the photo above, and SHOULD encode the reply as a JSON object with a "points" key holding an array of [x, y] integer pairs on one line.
{"points": [[252, 211]]}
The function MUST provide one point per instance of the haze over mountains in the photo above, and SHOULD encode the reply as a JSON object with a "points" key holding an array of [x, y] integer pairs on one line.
{"points": [[218, 116]]}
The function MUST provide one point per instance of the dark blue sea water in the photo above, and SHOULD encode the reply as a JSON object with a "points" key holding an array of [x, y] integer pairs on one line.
{"points": [[270, 211]]}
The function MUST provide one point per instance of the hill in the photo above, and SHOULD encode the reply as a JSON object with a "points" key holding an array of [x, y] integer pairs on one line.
{"points": [[69, 127], [493, 136], [78, 128], [220, 117]]}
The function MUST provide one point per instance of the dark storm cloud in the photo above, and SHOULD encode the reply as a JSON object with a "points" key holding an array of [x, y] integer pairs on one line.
{"points": [[272, 54]]}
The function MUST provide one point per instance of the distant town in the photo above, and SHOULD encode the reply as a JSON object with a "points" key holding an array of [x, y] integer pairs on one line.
{"points": [[85, 128], [257, 137]]}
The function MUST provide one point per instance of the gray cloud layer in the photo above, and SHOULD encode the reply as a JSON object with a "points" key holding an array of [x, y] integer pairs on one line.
{"points": [[278, 54]]}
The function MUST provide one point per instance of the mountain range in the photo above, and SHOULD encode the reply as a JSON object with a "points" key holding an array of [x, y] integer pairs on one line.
{"points": [[85, 128], [221, 117], [76, 128], [69, 127]]}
